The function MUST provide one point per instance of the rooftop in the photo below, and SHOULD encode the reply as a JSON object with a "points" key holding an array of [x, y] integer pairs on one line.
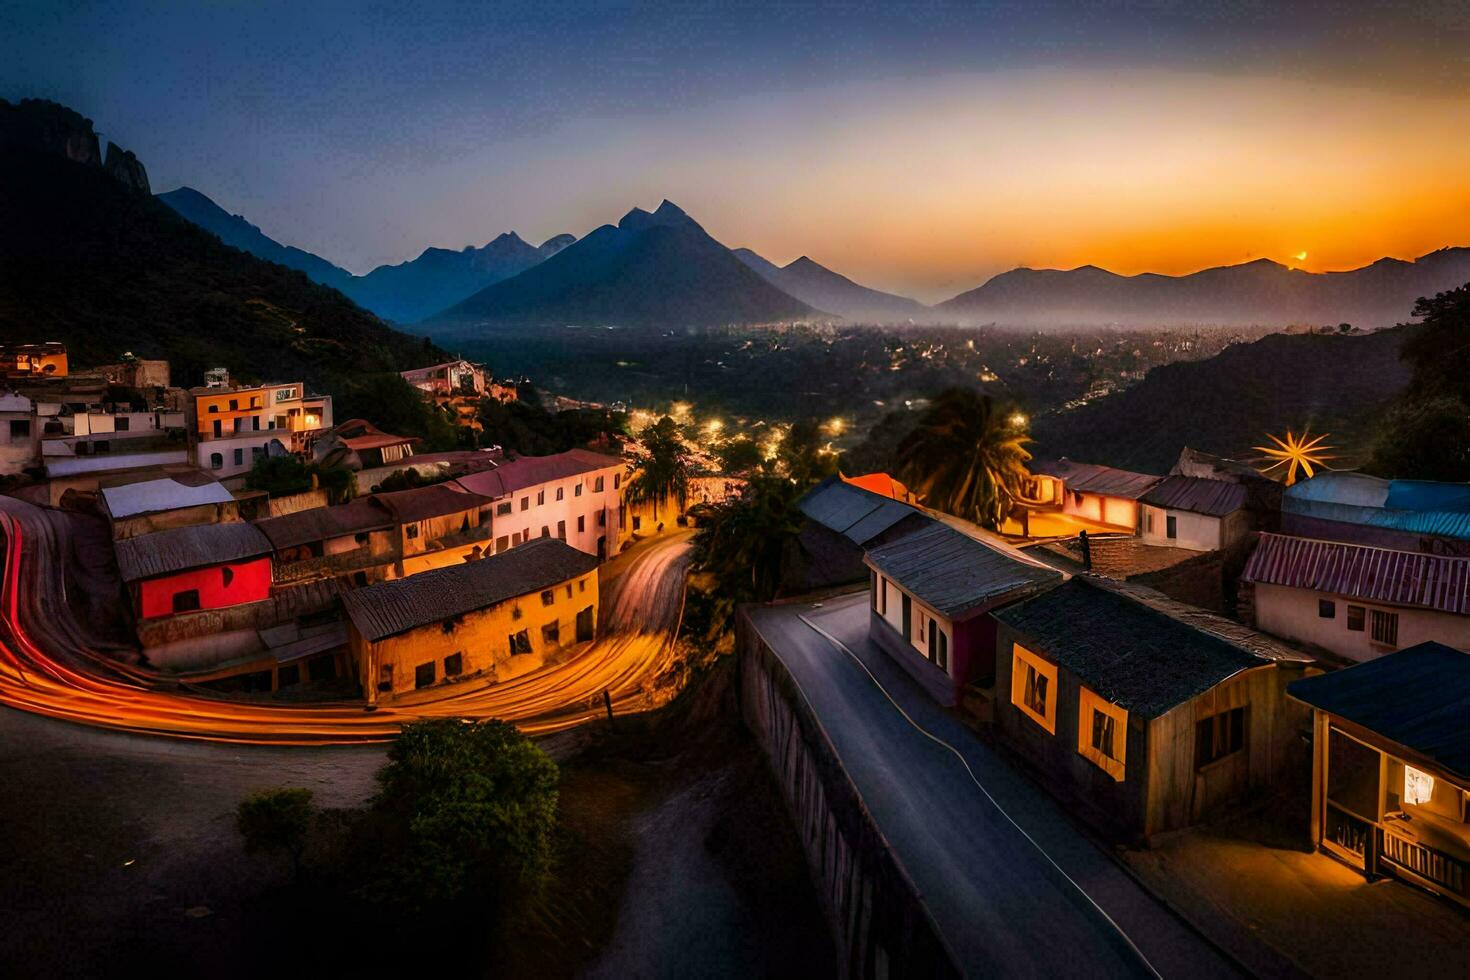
{"points": [[852, 511], [1400, 578], [1213, 498], [321, 523], [422, 503], [384, 610], [530, 471], [360, 434], [1133, 654], [956, 574], [180, 549], [1413, 506], [1418, 698], [165, 493], [1094, 478]]}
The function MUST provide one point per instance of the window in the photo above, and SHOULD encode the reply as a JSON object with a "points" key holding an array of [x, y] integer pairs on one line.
{"points": [[941, 657], [908, 617], [540, 497], [385, 677], [1217, 736], [548, 597], [581, 524], [280, 422], [410, 531], [525, 503], [1385, 627], [561, 493], [186, 601], [20, 429], [234, 404], [255, 423], [226, 575], [1034, 687], [214, 408], [285, 394], [501, 544], [288, 675], [582, 585], [1326, 609], [577, 490], [423, 675], [561, 530], [601, 519], [121, 423], [617, 480], [239, 457], [520, 642], [569, 590], [102, 446], [502, 509], [1102, 733], [1148, 521], [216, 461], [453, 664], [1171, 526], [597, 485], [219, 429], [551, 635], [1355, 617]]}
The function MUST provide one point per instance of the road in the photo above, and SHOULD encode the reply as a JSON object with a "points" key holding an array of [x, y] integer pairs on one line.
{"points": [[48, 666], [1006, 904]]}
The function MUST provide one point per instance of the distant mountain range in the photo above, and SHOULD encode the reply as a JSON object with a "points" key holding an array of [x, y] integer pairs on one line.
{"points": [[404, 293], [649, 270], [822, 289], [1261, 292]]}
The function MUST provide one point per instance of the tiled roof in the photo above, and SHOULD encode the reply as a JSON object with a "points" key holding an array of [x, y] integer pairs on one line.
{"points": [[167, 493], [1126, 651], [1093, 478], [530, 471], [858, 514], [380, 611], [322, 523], [183, 548], [1213, 498], [955, 574], [1418, 698], [421, 503], [1400, 578]]}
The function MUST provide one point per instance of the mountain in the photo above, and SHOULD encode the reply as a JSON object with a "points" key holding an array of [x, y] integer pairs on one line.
{"points": [[651, 269], [1226, 404], [822, 289], [1260, 292], [89, 259], [232, 229]]}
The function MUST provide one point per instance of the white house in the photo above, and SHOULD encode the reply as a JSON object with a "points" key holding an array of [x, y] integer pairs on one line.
{"points": [[1195, 514], [575, 496], [19, 440]]}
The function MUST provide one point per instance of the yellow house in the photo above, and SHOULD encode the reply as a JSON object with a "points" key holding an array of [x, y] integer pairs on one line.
{"points": [[494, 618]]}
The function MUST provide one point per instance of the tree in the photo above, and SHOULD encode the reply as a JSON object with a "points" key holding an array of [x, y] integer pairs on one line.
{"points": [[469, 813], [740, 455], [743, 541], [663, 474], [394, 405], [967, 456], [276, 820], [803, 454], [282, 476]]}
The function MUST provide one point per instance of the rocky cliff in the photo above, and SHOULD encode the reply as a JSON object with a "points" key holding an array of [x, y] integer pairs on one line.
{"points": [[52, 128]]}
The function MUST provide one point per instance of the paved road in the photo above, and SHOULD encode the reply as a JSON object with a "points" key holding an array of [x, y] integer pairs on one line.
{"points": [[47, 664], [999, 902]]}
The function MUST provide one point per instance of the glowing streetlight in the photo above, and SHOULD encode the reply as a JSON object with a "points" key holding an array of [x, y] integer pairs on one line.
{"points": [[835, 426], [1017, 420]]}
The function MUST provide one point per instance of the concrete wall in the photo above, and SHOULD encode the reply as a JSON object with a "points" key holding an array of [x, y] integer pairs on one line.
{"points": [[537, 507], [1116, 511], [877, 917], [1194, 532], [1292, 614]]}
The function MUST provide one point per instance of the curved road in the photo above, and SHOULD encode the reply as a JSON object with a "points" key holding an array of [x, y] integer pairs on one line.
{"points": [[48, 666]]}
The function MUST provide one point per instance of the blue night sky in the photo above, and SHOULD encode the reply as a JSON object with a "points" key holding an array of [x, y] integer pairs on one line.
{"points": [[919, 147]]}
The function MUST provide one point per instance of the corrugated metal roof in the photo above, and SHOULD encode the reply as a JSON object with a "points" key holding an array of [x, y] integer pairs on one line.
{"points": [[1213, 498], [1133, 655], [422, 503], [384, 610], [1418, 698], [1400, 578], [150, 496], [321, 523], [530, 471], [1413, 506], [859, 515], [1106, 481], [183, 548], [955, 574]]}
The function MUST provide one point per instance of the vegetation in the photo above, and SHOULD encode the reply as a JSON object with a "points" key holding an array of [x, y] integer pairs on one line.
{"points": [[527, 429], [663, 475], [282, 476], [967, 457], [1425, 433], [740, 456], [394, 405], [277, 820]]}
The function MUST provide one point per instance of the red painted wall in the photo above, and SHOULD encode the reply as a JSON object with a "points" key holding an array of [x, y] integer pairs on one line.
{"points": [[251, 582]]}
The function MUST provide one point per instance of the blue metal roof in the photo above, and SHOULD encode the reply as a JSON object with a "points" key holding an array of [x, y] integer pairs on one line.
{"points": [[857, 514], [1414, 506]]}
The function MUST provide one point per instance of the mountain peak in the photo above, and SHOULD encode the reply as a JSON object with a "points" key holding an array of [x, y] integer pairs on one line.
{"points": [[666, 215]]}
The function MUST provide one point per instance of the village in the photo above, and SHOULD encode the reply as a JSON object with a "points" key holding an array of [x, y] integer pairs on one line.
{"points": [[1150, 653]]}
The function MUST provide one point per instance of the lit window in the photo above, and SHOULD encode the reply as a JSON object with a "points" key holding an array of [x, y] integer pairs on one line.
{"points": [[1418, 786], [1034, 687], [1102, 733]]}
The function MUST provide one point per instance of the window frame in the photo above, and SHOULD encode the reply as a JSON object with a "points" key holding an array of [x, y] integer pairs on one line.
{"points": [[1091, 709], [1023, 663]]}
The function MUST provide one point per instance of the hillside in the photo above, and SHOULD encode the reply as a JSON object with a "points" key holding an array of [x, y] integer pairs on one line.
{"points": [[91, 261], [1260, 292], [650, 270], [1226, 404], [822, 289]]}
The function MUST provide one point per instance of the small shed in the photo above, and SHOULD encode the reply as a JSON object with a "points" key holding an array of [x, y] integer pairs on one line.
{"points": [[208, 566], [1195, 514]]}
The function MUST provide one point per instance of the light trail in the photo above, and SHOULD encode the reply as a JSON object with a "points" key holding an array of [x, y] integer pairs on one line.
{"points": [[117, 696]]}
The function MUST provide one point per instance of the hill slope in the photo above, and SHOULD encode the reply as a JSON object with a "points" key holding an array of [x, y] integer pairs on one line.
{"points": [[1260, 292], [822, 289], [90, 261], [1227, 403], [660, 269]]}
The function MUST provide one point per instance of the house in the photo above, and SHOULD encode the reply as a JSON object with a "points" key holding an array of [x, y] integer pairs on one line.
{"points": [[20, 437], [883, 485], [1357, 601], [233, 426], [932, 592], [358, 445], [45, 360], [1195, 514], [494, 618], [575, 496], [357, 541], [843, 519], [437, 525], [1405, 515], [1102, 494], [204, 567], [173, 500], [1391, 766], [447, 380], [1142, 719]]}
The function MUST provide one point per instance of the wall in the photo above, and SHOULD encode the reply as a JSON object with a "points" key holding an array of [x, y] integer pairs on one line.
{"points": [[163, 520], [482, 638], [1292, 614], [528, 523], [1194, 532], [1115, 511], [250, 582], [876, 914]]}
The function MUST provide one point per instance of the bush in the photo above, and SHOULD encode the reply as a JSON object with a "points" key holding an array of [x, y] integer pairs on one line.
{"points": [[276, 820]]}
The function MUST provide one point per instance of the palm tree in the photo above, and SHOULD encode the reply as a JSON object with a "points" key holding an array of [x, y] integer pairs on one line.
{"points": [[743, 541], [967, 457], [664, 472]]}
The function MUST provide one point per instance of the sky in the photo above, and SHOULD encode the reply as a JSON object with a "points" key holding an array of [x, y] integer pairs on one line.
{"points": [[919, 147]]}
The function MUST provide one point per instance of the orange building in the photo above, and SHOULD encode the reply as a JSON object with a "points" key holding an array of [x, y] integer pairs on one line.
{"points": [[235, 426], [46, 360]]}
